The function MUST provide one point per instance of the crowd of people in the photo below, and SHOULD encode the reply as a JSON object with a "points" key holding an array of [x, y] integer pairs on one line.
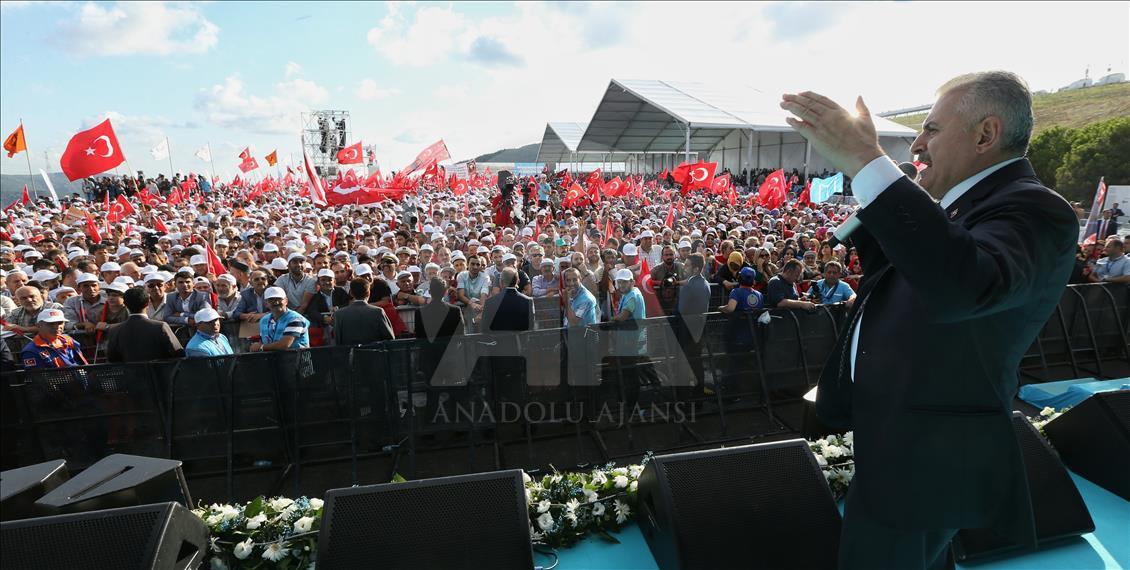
{"points": [[235, 272]]}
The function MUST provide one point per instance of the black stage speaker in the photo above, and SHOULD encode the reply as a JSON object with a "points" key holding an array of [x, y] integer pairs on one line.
{"points": [[469, 521], [1058, 508], [1093, 439], [162, 535], [755, 506], [19, 489], [120, 481]]}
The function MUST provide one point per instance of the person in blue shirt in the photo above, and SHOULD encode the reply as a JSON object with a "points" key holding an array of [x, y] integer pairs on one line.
{"points": [[744, 300], [581, 310], [51, 348], [208, 341], [543, 191], [283, 328], [630, 341], [830, 289]]}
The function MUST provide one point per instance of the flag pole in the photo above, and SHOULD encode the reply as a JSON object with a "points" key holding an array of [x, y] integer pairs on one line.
{"points": [[27, 153], [211, 162], [169, 148]]}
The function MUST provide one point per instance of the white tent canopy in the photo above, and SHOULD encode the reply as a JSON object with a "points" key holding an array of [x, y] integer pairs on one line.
{"points": [[660, 124], [559, 146]]}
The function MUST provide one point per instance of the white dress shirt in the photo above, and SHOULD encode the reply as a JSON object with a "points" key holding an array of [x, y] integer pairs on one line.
{"points": [[876, 177]]}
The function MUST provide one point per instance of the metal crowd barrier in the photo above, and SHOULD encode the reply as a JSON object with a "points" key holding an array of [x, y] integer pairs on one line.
{"points": [[306, 420]]}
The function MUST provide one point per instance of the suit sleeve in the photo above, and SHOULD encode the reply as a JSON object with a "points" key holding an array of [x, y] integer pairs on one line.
{"points": [[113, 348], [385, 326], [171, 342], [966, 273]]}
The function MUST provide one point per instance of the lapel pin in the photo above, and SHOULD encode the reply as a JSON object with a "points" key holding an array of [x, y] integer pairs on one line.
{"points": [[953, 214]]}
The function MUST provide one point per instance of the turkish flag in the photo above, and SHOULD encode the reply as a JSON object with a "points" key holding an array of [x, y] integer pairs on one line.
{"points": [[574, 196], [317, 193], [120, 209], [91, 151], [670, 221], [26, 198], [215, 266], [351, 154], [697, 175], [615, 187], [805, 197], [92, 230], [159, 225], [595, 177], [273, 158], [459, 188], [174, 197], [248, 164], [436, 152], [721, 185], [771, 194]]}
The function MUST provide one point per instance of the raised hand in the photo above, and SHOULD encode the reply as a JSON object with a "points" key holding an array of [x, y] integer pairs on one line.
{"points": [[848, 142]]}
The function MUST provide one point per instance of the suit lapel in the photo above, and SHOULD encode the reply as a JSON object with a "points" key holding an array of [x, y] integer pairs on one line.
{"points": [[983, 189]]}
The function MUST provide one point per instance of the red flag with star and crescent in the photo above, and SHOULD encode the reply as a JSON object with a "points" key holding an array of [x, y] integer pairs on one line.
{"points": [[92, 230], [91, 152], [351, 154], [693, 176], [721, 185], [771, 194], [436, 152], [120, 209]]}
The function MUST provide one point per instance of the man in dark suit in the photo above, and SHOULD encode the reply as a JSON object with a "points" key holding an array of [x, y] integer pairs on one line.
{"points": [[437, 322], [139, 338], [1107, 226], [359, 322], [953, 294], [508, 312]]}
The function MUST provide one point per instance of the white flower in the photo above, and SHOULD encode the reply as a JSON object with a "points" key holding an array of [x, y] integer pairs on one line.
{"points": [[281, 503], [543, 506], [526, 478], [254, 522], [622, 512], [529, 497], [228, 512], [243, 549], [218, 563], [621, 481], [634, 487], [212, 544], [556, 478], [1047, 411], [213, 520], [571, 510], [316, 503], [303, 524], [821, 442], [275, 552], [598, 510], [635, 470], [849, 437], [590, 496], [545, 521], [599, 478], [833, 451], [820, 460], [620, 471], [288, 512]]}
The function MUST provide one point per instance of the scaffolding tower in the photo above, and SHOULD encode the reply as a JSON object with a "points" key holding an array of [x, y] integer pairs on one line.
{"points": [[324, 133]]}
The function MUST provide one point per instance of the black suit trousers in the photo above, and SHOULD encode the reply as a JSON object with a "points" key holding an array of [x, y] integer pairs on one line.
{"points": [[867, 544]]}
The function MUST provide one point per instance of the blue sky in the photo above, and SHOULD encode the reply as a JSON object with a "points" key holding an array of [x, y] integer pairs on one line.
{"points": [[482, 76]]}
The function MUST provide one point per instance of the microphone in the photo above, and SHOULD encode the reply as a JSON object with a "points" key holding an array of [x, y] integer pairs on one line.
{"points": [[848, 227]]}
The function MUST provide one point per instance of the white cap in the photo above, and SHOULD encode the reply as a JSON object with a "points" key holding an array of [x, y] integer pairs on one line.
{"points": [[222, 241], [110, 266], [629, 249], [44, 275], [269, 248], [414, 269], [362, 269], [325, 273], [403, 274], [431, 266], [227, 277], [30, 253], [197, 260], [684, 244], [482, 249], [51, 316], [278, 264], [274, 293], [54, 293], [206, 315], [155, 276], [294, 256], [646, 234], [509, 257], [126, 279], [623, 275], [426, 247], [117, 287]]}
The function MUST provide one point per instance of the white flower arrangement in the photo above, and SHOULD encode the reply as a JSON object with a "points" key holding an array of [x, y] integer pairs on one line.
{"points": [[835, 454], [566, 507], [1046, 415], [264, 533]]}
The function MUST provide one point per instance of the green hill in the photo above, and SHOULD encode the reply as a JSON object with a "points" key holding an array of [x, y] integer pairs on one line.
{"points": [[1068, 109]]}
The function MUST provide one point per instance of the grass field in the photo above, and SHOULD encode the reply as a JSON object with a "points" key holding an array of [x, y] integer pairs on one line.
{"points": [[1070, 109]]}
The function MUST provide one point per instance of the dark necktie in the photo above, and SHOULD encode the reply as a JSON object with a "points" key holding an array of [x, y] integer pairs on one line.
{"points": [[845, 354]]}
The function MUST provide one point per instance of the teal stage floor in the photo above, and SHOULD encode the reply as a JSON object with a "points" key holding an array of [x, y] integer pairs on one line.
{"points": [[1106, 548]]}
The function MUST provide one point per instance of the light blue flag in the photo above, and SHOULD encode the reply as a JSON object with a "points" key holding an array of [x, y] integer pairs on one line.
{"points": [[823, 188]]}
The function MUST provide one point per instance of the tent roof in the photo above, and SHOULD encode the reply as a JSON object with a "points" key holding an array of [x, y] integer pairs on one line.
{"points": [[652, 115], [560, 141]]}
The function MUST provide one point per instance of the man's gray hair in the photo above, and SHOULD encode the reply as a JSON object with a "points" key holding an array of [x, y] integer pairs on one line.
{"points": [[1000, 94]]}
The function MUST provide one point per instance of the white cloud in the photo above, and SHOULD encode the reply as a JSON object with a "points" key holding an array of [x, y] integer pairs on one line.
{"points": [[145, 28], [229, 105], [367, 90], [138, 128], [293, 69]]}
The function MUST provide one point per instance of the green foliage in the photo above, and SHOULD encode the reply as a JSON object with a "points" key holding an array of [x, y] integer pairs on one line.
{"points": [[1047, 151], [1098, 150]]}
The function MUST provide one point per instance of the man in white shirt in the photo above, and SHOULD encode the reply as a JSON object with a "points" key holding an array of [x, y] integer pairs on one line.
{"points": [[953, 294], [1115, 267]]}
